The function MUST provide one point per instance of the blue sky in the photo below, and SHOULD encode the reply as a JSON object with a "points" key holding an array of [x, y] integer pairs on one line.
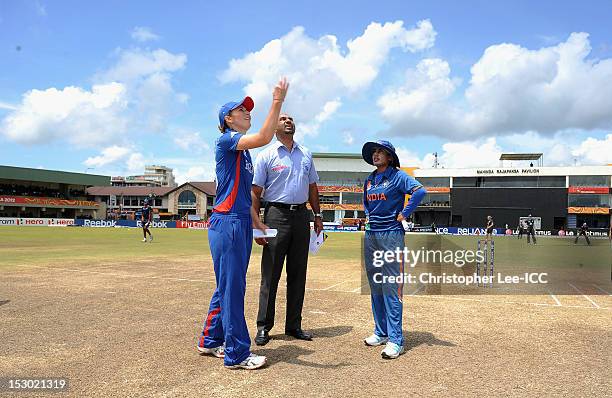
{"points": [[106, 87]]}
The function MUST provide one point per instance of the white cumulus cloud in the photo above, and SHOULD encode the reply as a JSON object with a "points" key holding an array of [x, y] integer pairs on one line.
{"points": [[190, 141], [81, 117], [135, 163], [6, 105], [108, 156], [119, 159], [512, 90], [311, 127], [147, 76], [194, 173], [564, 148], [593, 151], [319, 69], [135, 64], [561, 150], [478, 153], [143, 34], [134, 95]]}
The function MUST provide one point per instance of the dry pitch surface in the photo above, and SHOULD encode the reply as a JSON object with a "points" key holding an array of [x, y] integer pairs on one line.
{"points": [[120, 318]]}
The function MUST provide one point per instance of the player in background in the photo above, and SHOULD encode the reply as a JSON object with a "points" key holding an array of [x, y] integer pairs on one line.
{"points": [[584, 228], [531, 229], [490, 226], [521, 228], [146, 217]]}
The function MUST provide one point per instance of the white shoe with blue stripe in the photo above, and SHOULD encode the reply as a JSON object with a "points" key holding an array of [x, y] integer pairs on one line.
{"points": [[218, 352], [375, 340], [392, 351], [252, 362]]}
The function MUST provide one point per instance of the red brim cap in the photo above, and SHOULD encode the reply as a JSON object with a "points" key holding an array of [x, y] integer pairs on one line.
{"points": [[248, 103]]}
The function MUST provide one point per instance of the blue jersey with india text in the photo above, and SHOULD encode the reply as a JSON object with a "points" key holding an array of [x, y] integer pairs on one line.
{"points": [[234, 172], [383, 198]]}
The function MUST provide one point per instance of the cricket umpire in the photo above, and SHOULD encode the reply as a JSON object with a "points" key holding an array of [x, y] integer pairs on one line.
{"points": [[287, 176], [531, 229], [582, 231]]}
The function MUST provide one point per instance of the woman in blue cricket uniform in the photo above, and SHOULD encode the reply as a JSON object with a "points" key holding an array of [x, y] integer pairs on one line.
{"points": [[230, 235], [383, 199]]}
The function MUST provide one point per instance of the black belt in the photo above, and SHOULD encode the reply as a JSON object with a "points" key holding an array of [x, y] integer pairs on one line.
{"points": [[299, 206]]}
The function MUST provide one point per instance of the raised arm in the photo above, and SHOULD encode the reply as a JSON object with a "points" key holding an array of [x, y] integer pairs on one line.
{"points": [[264, 136]]}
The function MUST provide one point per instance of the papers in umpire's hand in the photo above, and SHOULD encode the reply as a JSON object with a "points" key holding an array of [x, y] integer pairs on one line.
{"points": [[316, 241], [270, 233]]}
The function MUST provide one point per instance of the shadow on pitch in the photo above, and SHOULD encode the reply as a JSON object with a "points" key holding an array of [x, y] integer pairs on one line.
{"points": [[2, 302], [414, 339], [330, 331], [293, 354]]}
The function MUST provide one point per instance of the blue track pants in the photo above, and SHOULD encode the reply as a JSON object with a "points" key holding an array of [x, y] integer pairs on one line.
{"points": [[230, 237], [386, 297]]}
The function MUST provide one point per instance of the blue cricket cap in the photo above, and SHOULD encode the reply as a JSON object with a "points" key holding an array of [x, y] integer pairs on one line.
{"points": [[369, 147], [230, 106]]}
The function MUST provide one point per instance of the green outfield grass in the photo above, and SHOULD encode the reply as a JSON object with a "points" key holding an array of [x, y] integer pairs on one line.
{"points": [[45, 245]]}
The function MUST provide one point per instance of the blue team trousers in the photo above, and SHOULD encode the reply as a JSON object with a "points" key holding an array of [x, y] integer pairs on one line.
{"points": [[386, 296], [230, 237]]}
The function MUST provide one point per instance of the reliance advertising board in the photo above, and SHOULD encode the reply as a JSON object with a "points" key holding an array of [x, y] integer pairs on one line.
{"points": [[467, 231]]}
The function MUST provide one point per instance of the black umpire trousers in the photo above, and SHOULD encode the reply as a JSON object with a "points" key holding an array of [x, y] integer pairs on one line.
{"points": [[531, 232], [291, 243], [582, 233]]}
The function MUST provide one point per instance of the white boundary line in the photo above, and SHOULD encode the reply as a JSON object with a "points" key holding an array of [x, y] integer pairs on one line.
{"points": [[608, 293], [556, 299], [509, 302], [584, 295], [338, 284], [418, 289], [358, 289]]}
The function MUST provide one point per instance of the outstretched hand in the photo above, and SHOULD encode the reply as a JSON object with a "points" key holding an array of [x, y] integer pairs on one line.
{"points": [[262, 227], [280, 90], [318, 225]]}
